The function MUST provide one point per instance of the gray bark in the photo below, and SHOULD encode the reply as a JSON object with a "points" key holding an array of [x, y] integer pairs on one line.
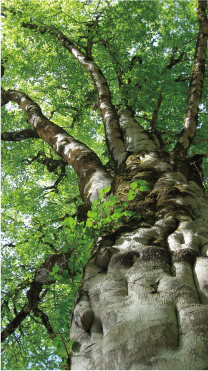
{"points": [[144, 295]]}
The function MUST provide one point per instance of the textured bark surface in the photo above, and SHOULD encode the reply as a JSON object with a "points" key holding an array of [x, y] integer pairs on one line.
{"points": [[91, 174], [148, 286]]}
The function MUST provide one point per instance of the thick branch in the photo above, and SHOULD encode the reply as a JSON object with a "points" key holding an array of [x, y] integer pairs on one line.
{"points": [[195, 85], [113, 132], [136, 138], [91, 174], [19, 135]]}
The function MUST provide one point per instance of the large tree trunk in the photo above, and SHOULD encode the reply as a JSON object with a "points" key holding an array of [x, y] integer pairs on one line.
{"points": [[148, 284], [143, 299]]}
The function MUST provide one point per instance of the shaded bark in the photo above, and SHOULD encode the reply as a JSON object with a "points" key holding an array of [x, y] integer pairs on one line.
{"points": [[153, 122], [19, 135]]}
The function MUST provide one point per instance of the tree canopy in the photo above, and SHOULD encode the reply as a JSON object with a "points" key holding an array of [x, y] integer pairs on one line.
{"points": [[145, 51]]}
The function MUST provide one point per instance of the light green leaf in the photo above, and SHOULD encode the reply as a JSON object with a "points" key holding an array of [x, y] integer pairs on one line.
{"points": [[107, 189], [133, 185], [131, 195], [55, 268]]}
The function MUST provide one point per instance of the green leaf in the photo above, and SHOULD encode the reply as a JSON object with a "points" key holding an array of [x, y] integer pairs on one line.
{"points": [[131, 195], [113, 200], [65, 273], [89, 223], [107, 211], [119, 209], [87, 246], [144, 188], [129, 213], [55, 268], [124, 203], [61, 351], [60, 278], [70, 222], [56, 340], [92, 213], [141, 182], [107, 220], [116, 215], [95, 203], [70, 343], [133, 185], [101, 194], [71, 265], [106, 204], [107, 189], [78, 277]]}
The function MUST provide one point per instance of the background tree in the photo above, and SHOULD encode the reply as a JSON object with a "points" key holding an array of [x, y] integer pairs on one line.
{"points": [[118, 79]]}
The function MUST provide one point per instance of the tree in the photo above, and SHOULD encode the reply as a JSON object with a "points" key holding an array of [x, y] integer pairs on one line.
{"points": [[113, 184]]}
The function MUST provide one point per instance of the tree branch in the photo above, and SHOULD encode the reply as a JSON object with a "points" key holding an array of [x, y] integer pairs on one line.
{"points": [[113, 133], [33, 295], [155, 113], [45, 321], [19, 135], [195, 85], [91, 174], [114, 138], [41, 278], [174, 61]]}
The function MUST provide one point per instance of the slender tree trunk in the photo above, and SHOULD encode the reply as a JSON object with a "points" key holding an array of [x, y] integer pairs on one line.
{"points": [[147, 286]]}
